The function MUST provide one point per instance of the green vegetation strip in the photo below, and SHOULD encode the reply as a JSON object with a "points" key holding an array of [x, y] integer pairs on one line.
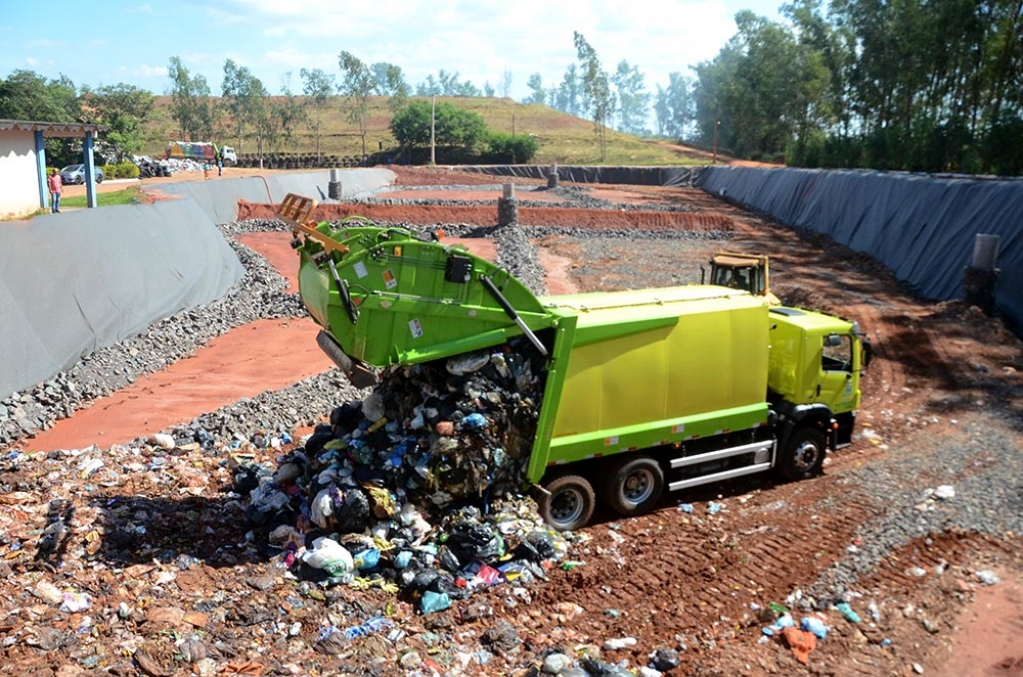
{"points": [[120, 197]]}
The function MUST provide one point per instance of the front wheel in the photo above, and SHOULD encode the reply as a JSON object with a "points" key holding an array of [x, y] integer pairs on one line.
{"points": [[633, 485], [567, 503], [803, 456]]}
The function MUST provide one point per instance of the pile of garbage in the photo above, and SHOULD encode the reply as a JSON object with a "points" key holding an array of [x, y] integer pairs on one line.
{"points": [[417, 486]]}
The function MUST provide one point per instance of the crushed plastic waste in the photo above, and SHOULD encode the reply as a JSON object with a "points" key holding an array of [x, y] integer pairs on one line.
{"points": [[75, 602], [664, 659], [987, 577], [814, 625], [784, 621], [847, 612], [801, 642], [416, 486], [618, 643]]}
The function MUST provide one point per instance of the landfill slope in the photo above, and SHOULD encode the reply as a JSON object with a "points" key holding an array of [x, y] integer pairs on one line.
{"points": [[151, 559]]}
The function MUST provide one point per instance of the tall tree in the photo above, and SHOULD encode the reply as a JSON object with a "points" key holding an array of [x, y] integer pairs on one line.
{"points": [[357, 84], [598, 98], [317, 86], [537, 94], [506, 83], [673, 107], [633, 99], [288, 113], [244, 96], [26, 95], [569, 92], [191, 106], [124, 110]]}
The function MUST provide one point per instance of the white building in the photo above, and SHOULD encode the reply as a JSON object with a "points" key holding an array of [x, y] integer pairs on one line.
{"points": [[23, 187]]}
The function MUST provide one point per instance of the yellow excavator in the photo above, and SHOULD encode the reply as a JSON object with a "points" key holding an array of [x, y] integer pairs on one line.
{"points": [[742, 271]]}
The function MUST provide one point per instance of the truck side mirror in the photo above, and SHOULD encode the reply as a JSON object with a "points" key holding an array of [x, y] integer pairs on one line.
{"points": [[832, 340], [867, 350]]}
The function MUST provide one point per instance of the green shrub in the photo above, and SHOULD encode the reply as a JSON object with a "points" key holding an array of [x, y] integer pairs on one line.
{"points": [[127, 170], [109, 171], [506, 148]]}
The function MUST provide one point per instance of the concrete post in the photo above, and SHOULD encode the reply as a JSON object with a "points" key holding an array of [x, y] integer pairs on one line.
{"points": [[90, 172], [552, 176], [980, 278], [44, 188], [334, 185], [507, 206]]}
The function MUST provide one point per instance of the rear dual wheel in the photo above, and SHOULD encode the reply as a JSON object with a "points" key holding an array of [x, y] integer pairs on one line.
{"points": [[633, 485], [567, 502]]}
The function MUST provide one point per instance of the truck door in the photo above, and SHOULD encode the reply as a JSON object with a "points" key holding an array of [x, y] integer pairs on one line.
{"points": [[835, 382]]}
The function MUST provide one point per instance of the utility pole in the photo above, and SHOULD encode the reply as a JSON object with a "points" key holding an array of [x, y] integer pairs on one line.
{"points": [[716, 123], [433, 118]]}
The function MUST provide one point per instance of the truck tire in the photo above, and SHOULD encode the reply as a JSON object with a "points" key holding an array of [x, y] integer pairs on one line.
{"points": [[633, 485], [567, 503], [803, 456]]}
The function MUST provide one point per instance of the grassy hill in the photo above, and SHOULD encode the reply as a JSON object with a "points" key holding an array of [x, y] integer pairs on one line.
{"points": [[563, 138]]}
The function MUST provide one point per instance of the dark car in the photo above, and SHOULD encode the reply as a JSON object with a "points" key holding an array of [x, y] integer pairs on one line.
{"points": [[76, 174]]}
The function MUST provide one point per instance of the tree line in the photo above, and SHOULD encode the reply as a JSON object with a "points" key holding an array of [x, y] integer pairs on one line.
{"points": [[920, 85]]}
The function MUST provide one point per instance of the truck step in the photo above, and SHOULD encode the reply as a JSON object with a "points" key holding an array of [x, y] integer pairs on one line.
{"points": [[765, 445], [719, 476]]}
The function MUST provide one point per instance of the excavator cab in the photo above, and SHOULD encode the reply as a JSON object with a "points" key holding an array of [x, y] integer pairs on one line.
{"points": [[742, 271]]}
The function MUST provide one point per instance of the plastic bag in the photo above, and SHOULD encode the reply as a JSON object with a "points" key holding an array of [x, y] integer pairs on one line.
{"points": [[331, 556]]}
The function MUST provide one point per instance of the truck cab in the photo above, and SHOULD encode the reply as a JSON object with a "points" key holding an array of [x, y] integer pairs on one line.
{"points": [[743, 271], [814, 371], [228, 156]]}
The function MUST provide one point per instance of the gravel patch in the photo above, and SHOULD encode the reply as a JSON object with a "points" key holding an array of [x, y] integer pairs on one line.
{"points": [[258, 295], [981, 464]]}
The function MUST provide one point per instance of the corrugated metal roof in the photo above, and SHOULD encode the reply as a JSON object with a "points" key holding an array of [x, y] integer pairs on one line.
{"points": [[51, 128]]}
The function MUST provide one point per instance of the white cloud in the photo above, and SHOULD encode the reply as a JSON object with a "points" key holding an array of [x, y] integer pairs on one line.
{"points": [[480, 39], [146, 71], [45, 43], [143, 9], [31, 62]]}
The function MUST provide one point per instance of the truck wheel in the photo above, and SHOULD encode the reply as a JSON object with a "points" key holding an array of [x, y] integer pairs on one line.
{"points": [[803, 456], [568, 503], [633, 485]]}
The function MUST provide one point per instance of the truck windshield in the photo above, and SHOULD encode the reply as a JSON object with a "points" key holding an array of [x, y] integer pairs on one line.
{"points": [[837, 354]]}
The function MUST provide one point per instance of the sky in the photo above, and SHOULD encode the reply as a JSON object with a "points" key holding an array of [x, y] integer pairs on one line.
{"points": [[111, 41]]}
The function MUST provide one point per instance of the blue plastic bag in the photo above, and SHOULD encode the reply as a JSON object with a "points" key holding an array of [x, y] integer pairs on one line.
{"points": [[434, 601]]}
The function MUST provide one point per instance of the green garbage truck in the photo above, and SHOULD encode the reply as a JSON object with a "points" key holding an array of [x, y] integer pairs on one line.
{"points": [[646, 390]]}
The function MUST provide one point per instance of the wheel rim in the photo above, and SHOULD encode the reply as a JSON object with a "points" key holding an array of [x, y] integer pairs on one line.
{"points": [[805, 455], [638, 486], [566, 506]]}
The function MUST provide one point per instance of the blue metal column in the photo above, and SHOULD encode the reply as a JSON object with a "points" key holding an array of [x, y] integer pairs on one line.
{"points": [[90, 171], [44, 188]]}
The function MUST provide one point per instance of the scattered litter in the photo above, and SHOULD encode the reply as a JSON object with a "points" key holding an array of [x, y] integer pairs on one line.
{"points": [[814, 625], [847, 612], [619, 643], [75, 602], [945, 492], [783, 621], [987, 577], [801, 642]]}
